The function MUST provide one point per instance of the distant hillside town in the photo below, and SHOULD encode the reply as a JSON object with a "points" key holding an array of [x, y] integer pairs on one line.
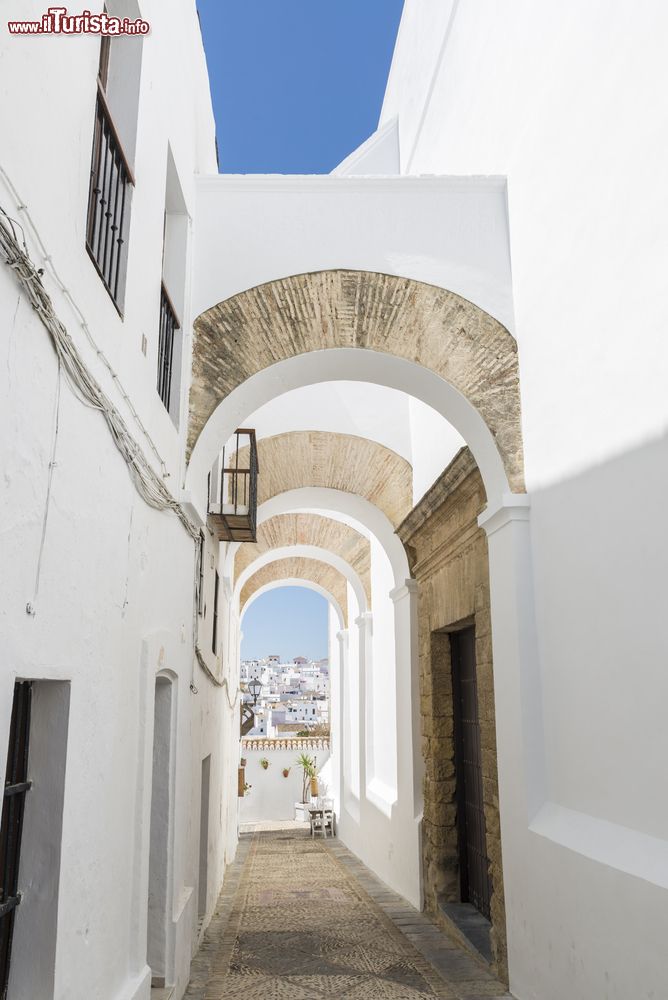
{"points": [[286, 697]]}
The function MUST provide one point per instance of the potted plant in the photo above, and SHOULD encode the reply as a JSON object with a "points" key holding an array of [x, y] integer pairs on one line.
{"points": [[286, 772], [309, 772], [264, 763], [308, 768]]}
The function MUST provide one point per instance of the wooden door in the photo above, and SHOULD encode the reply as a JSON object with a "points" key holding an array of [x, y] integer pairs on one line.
{"points": [[472, 835]]}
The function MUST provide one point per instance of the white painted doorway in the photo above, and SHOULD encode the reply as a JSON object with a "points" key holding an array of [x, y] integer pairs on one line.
{"points": [[204, 838], [161, 810]]}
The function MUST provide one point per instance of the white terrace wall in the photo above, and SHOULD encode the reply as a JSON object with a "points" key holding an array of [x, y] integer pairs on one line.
{"points": [[446, 231], [568, 102], [115, 598], [273, 797]]}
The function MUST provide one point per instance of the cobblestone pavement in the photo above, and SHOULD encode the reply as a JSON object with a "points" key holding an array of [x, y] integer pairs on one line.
{"points": [[302, 919]]}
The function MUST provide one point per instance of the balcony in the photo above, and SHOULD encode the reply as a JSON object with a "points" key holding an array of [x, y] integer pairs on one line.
{"points": [[232, 507], [247, 718], [109, 195]]}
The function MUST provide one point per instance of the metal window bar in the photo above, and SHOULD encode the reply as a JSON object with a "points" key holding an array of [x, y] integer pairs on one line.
{"points": [[11, 828], [108, 200], [169, 324]]}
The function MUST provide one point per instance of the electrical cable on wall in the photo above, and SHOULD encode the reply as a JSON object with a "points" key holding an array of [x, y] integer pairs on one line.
{"points": [[48, 260], [32, 605], [89, 392], [81, 381]]}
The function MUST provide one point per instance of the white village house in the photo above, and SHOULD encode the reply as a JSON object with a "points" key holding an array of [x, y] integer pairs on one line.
{"points": [[452, 355], [284, 694]]}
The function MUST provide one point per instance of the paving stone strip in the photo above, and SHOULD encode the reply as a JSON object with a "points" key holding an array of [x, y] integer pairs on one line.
{"points": [[302, 919]]}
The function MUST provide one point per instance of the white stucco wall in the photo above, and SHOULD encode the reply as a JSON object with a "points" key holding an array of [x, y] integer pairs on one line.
{"points": [[358, 408], [570, 109], [378, 156], [433, 446], [273, 797], [567, 102], [381, 706], [116, 588], [448, 231]]}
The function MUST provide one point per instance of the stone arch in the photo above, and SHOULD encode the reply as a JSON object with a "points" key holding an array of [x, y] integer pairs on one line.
{"points": [[367, 312], [312, 553], [356, 365], [285, 530], [299, 568], [296, 582], [362, 514], [335, 461]]}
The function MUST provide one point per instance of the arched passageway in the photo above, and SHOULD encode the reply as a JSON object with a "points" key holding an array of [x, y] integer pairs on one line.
{"points": [[338, 510]]}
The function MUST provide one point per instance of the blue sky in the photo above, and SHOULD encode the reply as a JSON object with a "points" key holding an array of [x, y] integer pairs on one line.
{"points": [[296, 84], [289, 621]]}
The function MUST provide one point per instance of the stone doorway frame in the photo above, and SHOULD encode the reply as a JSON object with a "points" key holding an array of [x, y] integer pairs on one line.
{"points": [[440, 835]]}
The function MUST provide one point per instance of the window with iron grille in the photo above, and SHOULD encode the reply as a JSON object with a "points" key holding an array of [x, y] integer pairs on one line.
{"points": [[214, 634], [175, 230], [169, 324], [109, 193], [11, 828]]}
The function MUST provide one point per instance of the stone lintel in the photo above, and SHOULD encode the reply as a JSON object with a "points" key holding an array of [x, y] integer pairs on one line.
{"points": [[461, 466]]}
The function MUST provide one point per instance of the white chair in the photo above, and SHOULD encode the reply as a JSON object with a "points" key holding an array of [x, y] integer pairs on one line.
{"points": [[317, 821], [328, 818], [321, 814]]}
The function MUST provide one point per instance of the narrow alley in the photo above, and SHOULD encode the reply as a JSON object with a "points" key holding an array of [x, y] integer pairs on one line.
{"points": [[303, 919], [333, 472]]}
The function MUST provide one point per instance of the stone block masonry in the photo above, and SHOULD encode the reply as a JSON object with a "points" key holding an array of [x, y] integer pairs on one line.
{"points": [[449, 559]]}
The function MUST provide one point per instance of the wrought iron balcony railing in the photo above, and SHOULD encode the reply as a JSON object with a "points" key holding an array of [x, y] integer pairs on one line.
{"points": [[108, 202], [232, 506]]}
